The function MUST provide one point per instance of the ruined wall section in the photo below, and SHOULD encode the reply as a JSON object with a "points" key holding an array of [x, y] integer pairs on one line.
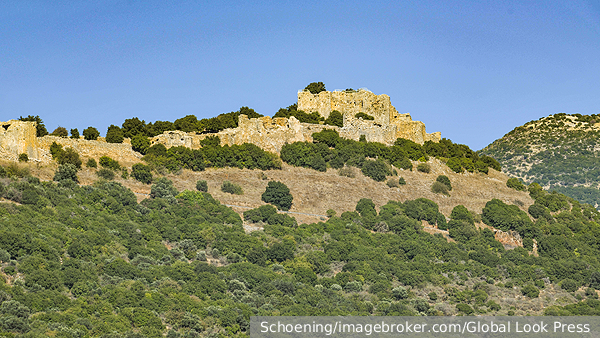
{"points": [[378, 106], [18, 137], [121, 152]]}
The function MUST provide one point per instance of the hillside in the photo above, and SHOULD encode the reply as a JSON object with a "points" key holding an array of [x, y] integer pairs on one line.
{"points": [[561, 152]]}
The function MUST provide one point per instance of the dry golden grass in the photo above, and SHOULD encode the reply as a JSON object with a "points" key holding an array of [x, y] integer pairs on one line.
{"points": [[315, 192]]}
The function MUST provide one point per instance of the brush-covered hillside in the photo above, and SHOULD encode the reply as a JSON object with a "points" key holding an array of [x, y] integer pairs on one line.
{"points": [[561, 152], [193, 242]]}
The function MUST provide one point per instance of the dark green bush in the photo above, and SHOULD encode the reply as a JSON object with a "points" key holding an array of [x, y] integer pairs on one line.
{"points": [[364, 116], [335, 119], [401, 181], [91, 133], [444, 180], [66, 172], [75, 133], [202, 185], [23, 158], [514, 183], [114, 134], [140, 143], [530, 291], [141, 173], [231, 188], [60, 132], [377, 170], [106, 174], [109, 163], [278, 194], [91, 163]]}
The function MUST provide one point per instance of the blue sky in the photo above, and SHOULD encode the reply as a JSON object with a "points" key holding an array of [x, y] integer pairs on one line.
{"points": [[473, 70]]}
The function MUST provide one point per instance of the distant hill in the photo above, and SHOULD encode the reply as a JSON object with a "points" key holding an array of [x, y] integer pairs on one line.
{"points": [[560, 152]]}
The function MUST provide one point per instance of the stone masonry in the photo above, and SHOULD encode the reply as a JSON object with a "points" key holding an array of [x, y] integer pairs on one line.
{"points": [[270, 134]]}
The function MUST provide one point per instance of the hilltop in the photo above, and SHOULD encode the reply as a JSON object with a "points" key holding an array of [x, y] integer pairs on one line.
{"points": [[561, 152]]}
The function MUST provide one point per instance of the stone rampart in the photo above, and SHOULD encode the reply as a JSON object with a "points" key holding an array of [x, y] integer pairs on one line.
{"points": [[270, 134]]}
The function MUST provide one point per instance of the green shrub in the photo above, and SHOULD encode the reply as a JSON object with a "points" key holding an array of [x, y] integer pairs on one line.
{"points": [[335, 119], [401, 181], [60, 132], [330, 213], [75, 133], [23, 158], [514, 183], [460, 213], [444, 180], [91, 163], [377, 170], [114, 134], [530, 291], [69, 156], [528, 243], [202, 185], [569, 285], [424, 168], [315, 87], [109, 163], [106, 174], [465, 308], [392, 183], [364, 116], [91, 133], [163, 188], [141, 173], [404, 163], [66, 172], [140, 143], [231, 188], [278, 194]]}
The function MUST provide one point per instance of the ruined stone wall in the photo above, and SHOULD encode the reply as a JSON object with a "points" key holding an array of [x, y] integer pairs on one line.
{"points": [[387, 126], [18, 137], [270, 134], [378, 106]]}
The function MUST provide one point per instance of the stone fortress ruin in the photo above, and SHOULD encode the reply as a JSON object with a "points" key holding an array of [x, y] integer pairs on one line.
{"points": [[270, 134]]}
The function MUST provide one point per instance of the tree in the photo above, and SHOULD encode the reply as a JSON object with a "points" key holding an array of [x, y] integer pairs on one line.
{"points": [[377, 170], [315, 87], [514, 183], [335, 119], [366, 208], [163, 188], [60, 132], [140, 143], [91, 163], [66, 172], [69, 156], [40, 128], [188, 124], [132, 127], [202, 186], [278, 194], [231, 188], [91, 133], [114, 134], [75, 133], [141, 173]]}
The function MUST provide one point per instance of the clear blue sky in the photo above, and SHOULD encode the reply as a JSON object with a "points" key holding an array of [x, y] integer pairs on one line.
{"points": [[473, 70]]}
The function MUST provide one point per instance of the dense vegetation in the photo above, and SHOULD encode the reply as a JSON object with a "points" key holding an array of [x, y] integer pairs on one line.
{"points": [[560, 152], [89, 261], [374, 159]]}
